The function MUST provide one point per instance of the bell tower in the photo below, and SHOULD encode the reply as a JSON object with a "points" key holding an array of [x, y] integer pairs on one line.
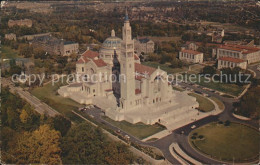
{"points": [[127, 67]]}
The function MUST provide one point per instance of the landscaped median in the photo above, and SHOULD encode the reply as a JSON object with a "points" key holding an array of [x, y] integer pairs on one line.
{"points": [[227, 142]]}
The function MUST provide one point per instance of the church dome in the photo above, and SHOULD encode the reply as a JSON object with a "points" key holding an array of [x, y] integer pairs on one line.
{"points": [[112, 42]]}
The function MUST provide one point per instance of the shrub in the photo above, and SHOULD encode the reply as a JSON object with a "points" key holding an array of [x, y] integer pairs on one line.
{"points": [[195, 134], [201, 136], [220, 122], [227, 123], [193, 137]]}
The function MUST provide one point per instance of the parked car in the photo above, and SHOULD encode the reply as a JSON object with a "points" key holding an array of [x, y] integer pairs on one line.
{"points": [[193, 126], [127, 137]]}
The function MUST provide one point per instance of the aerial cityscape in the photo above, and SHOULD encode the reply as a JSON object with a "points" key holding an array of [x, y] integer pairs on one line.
{"points": [[130, 82]]}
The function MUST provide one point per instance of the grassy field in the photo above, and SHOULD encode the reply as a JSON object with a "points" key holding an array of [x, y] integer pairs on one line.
{"points": [[49, 95], [138, 130], [217, 101], [165, 67], [205, 104], [7, 52], [235, 142]]}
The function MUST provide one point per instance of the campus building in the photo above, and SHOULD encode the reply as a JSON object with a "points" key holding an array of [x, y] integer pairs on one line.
{"points": [[191, 56], [248, 53], [143, 46], [229, 62], [56, 46]]}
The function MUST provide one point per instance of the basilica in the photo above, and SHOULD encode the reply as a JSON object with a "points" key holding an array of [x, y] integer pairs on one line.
{"points": [[114, 80]]}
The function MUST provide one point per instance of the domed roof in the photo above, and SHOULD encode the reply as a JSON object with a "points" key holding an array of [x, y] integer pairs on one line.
{"points": [[112, 42]]}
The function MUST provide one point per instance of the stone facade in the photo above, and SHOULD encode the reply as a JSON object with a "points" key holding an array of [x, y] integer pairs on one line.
{"points": [[53, 45], [143, 45], [138, 93], [22, 22]]}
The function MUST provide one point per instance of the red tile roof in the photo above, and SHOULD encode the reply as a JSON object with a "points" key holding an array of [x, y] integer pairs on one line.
{"points": [[190, 51], [137, 91], [82, 60], [90, 54], [240, 48], [139, 68], [230, 59], [99, 62], [138, 77]]}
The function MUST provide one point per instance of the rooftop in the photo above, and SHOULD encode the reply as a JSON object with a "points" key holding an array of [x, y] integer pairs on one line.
{"points": [[90, 54], [142, 69], [190, 51], [240, 48], [230, 59]]}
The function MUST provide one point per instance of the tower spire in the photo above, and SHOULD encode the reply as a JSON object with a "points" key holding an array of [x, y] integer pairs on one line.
{"points": [[126, 14]]}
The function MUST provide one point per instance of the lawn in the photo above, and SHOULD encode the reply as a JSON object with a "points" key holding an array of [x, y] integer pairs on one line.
{"points": [[205, 105], [165, 67], [138, 130], [218, 102], [8, 52], [236, 142], [49, 95]]}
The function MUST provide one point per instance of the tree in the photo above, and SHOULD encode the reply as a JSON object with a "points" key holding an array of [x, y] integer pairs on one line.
{"points": [[24, 116], [15, 70], [85, 144], [40, 146], [209, 70], [61, 124], [25, 50], [39, 53]]}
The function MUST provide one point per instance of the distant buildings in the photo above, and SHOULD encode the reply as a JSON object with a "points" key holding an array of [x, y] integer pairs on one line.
{"points": [[143, 45], [217, 36], [31, 37], [10, 36], [191, 56], [21, 22], [237, 55], [190, 46], [54, 45]]}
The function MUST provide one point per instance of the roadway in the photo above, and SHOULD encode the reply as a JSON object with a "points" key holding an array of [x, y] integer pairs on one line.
{"points": [[180, 135]]}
